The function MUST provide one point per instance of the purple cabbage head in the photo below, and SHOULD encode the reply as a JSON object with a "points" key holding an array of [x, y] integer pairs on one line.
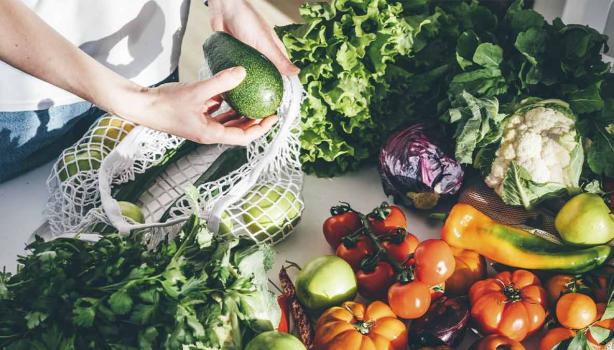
{"points": [[415, 170]]}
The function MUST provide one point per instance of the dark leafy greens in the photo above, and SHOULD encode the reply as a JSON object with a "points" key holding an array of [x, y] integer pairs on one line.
{"points": [[197, 291], [372, 67]]}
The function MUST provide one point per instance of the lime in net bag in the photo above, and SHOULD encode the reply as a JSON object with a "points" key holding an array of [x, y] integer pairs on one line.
{"points": [[254, 191]]}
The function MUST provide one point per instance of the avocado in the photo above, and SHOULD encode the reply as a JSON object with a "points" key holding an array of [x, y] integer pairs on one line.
{"points": [[259, 94]]}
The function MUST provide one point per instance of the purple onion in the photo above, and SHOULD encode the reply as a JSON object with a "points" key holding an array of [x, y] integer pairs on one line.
{"points": [[415, 170], [443, 324]]}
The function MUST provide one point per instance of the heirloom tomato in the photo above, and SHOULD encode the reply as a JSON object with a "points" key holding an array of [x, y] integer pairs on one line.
{"points": [[354, 326], [510, 304]]}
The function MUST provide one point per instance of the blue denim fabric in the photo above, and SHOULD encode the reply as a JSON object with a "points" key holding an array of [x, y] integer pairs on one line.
{"points": [[31, 138]]}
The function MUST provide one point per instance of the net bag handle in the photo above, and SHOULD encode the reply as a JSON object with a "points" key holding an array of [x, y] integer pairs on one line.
{"points": [[288, 111]]}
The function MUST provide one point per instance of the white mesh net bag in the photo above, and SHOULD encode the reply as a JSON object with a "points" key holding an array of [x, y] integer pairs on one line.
{"points": [[260, 198]]}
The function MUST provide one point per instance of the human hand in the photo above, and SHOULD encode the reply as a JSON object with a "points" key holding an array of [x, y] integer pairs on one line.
{"points": [[239, 19], [185, 110]]}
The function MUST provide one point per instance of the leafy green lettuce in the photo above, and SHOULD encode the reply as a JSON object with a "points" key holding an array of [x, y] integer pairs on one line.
{"points": [[370, 67], [344, 50]]}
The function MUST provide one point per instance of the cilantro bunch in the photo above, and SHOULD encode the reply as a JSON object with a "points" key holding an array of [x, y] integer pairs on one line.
{"points": [[196, 291]]}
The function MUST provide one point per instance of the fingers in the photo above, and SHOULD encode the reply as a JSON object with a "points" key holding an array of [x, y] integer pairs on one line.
{"points": [[225, 117], [213, 104], [285, 67], [242, 123], [275, 51], [240, 132], [223, 81]]}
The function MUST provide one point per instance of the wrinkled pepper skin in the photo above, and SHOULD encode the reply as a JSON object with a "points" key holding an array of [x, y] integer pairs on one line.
{"points": [[468, 228]]}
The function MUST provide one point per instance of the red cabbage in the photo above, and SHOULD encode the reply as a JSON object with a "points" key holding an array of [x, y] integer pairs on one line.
{"points": [[415, 170]]}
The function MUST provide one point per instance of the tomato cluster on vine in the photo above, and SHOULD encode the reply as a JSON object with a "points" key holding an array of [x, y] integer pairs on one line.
{"points": [[389, 262]]}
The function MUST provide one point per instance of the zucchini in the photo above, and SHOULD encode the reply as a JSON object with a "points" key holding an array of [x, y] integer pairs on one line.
{"points": [[132, 191], [229, 161]]}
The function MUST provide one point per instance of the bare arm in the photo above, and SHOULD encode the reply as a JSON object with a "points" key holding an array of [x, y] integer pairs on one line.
{"points": [[183, 109]]}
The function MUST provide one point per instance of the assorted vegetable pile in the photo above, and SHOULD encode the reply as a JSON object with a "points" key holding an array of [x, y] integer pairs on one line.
{"points": [[372, 67], [442, 286], [435, 92]]}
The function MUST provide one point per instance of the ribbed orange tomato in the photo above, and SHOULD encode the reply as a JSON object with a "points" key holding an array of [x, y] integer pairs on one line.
{"points": [[497, 342], [354, 326], [511, 304]]}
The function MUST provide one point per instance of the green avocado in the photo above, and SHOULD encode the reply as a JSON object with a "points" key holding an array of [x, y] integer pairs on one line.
{"points": [[259, 94]]}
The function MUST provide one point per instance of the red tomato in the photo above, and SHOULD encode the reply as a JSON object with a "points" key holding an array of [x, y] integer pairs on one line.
{"points": [[434, 262], [575, 310], [410, 300], [437, 291], [374, 284], [354, 255], [400, 246], [338, 226], [386, 218]]}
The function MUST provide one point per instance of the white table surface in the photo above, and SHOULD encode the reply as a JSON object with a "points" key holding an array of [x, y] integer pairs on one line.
{"points": [[22, 202]]}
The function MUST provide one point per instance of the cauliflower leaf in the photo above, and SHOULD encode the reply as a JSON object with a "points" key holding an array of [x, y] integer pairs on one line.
{"points": [[519, 189]]}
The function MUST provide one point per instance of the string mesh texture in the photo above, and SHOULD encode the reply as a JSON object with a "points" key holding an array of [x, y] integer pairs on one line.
{"points": [[261, 199]]}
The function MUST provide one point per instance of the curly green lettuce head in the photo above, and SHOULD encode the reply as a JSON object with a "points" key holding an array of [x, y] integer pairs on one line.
{"points": [[344, 49]]}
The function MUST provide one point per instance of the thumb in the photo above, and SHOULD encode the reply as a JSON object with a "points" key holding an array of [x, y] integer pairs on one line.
{"points": [[284, 64], [223, 81]]}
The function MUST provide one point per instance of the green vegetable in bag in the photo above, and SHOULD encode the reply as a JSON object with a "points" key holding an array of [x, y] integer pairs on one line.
{"points": [[270, 211]]}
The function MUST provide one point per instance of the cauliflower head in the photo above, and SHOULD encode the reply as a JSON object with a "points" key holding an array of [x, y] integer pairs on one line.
{"points": [[540, 154]]}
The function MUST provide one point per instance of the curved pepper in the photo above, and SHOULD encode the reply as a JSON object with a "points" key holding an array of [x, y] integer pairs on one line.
{"points": [[468, 228]]}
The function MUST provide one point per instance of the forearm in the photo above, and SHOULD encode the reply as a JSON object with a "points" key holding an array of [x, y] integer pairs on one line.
{"points": [[29, 44]]}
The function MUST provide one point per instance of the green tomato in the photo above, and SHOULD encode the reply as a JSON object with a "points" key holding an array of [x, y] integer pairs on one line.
{"points": [[110, 131], [226, 225], [132, 212], [324, 282], [585, 220], [273, 340], [270, 211], [79, 160]]}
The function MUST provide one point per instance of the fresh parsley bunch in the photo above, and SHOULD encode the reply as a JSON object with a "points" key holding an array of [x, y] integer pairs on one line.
{"points": [[196, 291]]}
